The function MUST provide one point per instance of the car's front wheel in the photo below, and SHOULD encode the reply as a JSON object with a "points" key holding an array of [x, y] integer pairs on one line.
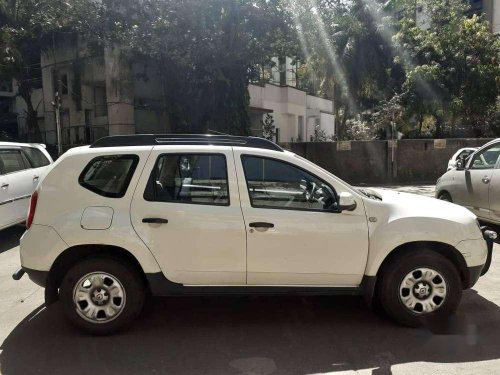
{"points": [[420, 285], [102, 295]]}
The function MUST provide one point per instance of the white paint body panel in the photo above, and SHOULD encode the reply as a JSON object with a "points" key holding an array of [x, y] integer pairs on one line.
{"points": [[97, 218], [201, 244], [18, 187], [212, 245], [304, 247]]}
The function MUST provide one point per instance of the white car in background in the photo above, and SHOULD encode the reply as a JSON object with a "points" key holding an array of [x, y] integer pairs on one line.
{"points": [[462, 153], [22, 165], [475, 183]]}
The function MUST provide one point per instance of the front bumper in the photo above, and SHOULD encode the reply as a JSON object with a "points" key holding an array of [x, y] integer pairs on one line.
{"points": [[38, 277]]}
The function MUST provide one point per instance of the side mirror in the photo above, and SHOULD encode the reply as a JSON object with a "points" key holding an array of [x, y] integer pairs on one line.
{"points": [[461, 163], [346, 202]]}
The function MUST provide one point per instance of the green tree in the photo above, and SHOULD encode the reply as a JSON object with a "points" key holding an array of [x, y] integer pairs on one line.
{"points": [[348, 49], [206, 53], [27, 28], [453, 71]]}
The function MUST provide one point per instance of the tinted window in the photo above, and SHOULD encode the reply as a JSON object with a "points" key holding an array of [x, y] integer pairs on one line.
{"points": [[11, 161], [189, 178], [109, 175], [36, 157], [276, 184], [486, 159], [465, 153]]}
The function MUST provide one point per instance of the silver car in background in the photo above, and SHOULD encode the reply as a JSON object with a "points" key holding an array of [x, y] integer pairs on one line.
{"points": [[475, 183]]}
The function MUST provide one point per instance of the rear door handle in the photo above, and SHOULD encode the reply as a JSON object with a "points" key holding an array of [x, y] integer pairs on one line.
{"points": [[35, 178], [260, 224], [486, 180], [154, 220], [5, 186]]}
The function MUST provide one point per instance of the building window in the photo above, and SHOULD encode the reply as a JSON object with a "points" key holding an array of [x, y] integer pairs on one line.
{"points": [[101, 102], [300, 128], [64, 84]]}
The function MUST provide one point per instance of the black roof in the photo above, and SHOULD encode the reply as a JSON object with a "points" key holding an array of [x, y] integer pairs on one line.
{"points": [[185, 139]]}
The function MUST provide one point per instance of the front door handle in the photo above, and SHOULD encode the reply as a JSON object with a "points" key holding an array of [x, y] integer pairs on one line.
{"points": [[154, 220], [35, 178], [486, 180], [5, 186], [260, 224]]}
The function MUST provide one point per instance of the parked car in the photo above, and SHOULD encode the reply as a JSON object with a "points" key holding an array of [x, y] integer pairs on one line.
{"points": [[173, 215], [462, 153], [22, 165], [475, 183]]}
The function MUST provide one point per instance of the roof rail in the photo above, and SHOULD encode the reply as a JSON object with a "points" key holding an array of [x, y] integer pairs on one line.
{"points": [[185, 139]]}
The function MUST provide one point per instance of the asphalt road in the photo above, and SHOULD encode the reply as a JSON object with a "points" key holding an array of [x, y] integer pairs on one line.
{"points": [[245, 335]]}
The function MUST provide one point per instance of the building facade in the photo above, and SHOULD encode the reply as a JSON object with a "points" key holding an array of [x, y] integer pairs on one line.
{"points": [[102, 93]]}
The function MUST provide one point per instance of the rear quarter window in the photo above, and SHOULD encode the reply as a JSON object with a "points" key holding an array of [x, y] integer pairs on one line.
{"points": [[109, 175], [36, 157]]}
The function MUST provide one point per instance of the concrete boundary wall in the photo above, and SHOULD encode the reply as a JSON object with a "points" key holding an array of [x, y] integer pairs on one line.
{"points": [[377, 162]]}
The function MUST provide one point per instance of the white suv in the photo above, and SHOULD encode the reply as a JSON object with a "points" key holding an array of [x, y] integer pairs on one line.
{"points": [[22, 165], [174, 214]]}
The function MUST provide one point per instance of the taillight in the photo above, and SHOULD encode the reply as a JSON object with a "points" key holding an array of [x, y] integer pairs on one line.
{"points": [[31, 212]]}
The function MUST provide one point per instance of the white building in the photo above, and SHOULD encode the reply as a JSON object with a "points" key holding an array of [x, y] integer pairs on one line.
{"points": [[295, 114]]}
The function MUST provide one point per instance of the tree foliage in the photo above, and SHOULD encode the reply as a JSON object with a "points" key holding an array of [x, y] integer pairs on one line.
{"points": [[206, 52], [453, 72], [27, 28]]}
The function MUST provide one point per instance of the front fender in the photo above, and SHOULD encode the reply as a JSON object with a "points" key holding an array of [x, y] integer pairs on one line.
{"points": [[386, 237]]}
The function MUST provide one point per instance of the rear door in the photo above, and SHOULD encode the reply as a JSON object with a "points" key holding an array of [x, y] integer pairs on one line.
{"points": [[39, 162], [186, 209], [17, 185]]}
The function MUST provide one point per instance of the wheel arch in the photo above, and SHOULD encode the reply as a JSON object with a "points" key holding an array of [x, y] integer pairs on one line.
{"points": [[447, 250], [74, 254], [370, 283]]}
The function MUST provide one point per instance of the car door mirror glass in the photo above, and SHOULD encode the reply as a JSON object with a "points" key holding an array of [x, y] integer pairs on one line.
{"points": [[460, 164]]}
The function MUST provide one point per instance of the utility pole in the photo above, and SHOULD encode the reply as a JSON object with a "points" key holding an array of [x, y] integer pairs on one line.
{"points": [[57, 107]]}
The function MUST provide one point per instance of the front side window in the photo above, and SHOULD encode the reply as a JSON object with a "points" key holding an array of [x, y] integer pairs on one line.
{"points": [[109, 175], [487, 158], [189, 178], [11, 160], [276, 184], [464, 154], [36, 157]]}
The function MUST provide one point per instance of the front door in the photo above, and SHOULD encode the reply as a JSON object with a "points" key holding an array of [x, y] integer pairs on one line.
{"points": [[294, 235], [478, 181], [186, 209]]}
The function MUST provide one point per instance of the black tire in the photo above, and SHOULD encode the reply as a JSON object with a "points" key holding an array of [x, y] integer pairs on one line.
{"points": [[126, 276], [445, 196], [396, 271]]}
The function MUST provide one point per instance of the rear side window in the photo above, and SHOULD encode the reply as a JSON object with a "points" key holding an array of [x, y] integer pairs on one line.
{"points": [[11, 160], [36, 157], [109, 175], [189, 178]]}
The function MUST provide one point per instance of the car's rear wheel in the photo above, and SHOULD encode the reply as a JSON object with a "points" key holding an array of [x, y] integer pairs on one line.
{"points": [[418, 286], [102, 295], [445, 196]]}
